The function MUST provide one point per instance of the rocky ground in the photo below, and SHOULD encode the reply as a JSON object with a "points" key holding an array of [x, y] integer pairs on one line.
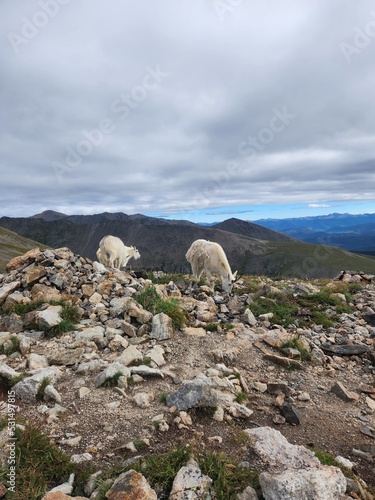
{"points": [[224, 372]]}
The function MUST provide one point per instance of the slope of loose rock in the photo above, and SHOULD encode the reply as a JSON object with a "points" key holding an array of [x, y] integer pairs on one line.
{"points": [[116, 378]]}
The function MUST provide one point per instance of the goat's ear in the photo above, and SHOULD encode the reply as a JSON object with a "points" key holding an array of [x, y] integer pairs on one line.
{"points": [[235, 275]]}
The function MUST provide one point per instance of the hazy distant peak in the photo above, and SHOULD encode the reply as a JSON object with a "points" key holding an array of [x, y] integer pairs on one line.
{"points": [[49, 215]]}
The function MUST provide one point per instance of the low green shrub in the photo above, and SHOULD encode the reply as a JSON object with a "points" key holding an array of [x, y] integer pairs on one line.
{"points": [[14, 346], [153, 302], [228, 477], [294, 342]]}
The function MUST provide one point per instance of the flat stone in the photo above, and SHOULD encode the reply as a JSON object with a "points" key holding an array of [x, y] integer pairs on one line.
{"points": [[345, 349], [286, 362], [66, 357], [343, 393], [192, 396], [198, 332]]}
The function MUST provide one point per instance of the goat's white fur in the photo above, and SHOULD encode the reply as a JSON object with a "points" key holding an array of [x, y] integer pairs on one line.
{"points": [[113, 253], [209, 257]]}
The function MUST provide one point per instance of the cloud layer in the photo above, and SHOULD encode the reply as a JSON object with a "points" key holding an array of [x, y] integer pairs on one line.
{"points": [[176, 106]]}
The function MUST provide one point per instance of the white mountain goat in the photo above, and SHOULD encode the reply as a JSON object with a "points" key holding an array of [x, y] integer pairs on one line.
{"points": [[112, 252], [209, 258]]}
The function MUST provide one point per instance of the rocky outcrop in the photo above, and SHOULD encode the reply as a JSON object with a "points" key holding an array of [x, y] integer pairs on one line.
{"points": [[122, 374]]}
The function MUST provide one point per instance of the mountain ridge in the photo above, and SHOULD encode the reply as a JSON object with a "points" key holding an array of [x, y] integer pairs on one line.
{"points": [[251, 249]]}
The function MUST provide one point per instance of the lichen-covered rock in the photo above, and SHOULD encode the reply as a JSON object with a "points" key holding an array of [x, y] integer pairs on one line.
{"points": [[190, 483], [131, 485], [162, 328]]}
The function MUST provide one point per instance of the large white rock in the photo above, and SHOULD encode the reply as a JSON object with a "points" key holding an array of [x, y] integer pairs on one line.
{"points": [[112, 370], [49, 318], [325, 483], [37, 361], [191, 484], [162, 328], [27, 388], [294, 472]]}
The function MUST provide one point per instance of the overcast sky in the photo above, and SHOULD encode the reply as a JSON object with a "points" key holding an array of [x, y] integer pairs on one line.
{"points": [[201, 110]]}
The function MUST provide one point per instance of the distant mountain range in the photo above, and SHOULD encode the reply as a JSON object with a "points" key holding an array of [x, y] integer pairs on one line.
{"points": [[355, 233], [251, 248]]}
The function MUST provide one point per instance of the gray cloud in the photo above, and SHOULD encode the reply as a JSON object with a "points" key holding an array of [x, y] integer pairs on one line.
{"points": [[143, 106]]}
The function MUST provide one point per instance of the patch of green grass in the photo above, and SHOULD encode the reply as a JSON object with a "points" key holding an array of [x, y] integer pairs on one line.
{"points": [[294, 342], [148, 298], [26, 307], [163, 397], [241, 437], [43, 384], [40, 465], [228, 478], [161, 470], [103, 486], [251, 285], [227, 326], [112, 381], [320, 318], [70, 316], [292, 366], [14, 346], [354, 288], [283, 308], [304, 310], [325, 458], [174, 311], [14, 380], [153, 302], [140, 444], [211, 327], [204, 410], [241, 397], [147, 361]]}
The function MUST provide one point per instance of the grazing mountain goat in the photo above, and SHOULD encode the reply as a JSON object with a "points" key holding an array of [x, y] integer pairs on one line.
{"points": [[112, 252], [209, 258]]}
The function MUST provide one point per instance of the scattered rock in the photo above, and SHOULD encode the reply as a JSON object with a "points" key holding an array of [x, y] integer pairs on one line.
{"points": [[191, 483], [290, 414], [342, 392]]}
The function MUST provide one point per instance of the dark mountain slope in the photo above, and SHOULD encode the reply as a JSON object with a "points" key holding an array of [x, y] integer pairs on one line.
{"points": [[163, 244], [251, 230], [12, 244]]}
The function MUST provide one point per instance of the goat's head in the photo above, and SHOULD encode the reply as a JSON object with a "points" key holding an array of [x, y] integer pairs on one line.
{"points": [[228, 281], [136, 254]]}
